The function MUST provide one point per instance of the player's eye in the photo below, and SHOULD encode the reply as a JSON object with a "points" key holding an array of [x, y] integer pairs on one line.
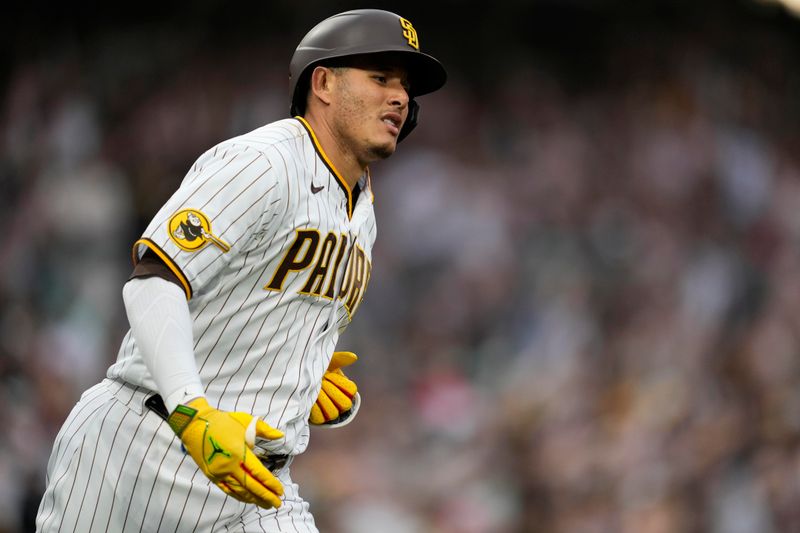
{"points": [[379, 78]]}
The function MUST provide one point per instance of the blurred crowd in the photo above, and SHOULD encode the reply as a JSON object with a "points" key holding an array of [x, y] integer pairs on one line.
{"points": [[584, 313]]}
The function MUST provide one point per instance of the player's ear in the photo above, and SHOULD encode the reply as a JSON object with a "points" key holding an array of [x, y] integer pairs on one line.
{"points": [[322, 81]]}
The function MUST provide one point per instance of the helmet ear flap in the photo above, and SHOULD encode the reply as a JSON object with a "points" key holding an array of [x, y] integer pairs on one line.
{"points": [[411, 120]]}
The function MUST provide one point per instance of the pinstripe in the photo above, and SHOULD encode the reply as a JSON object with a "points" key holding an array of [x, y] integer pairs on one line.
{"points": [[72, 420], [262, 259], [308, 339], [219, 515], [290, 130], [221, 334], [208, 327], [291, 518], [63, 476], [138, 474], [208, 302], [214, 319], [329, 217], [105, 468], [278, 350], [266, 315], [186, 498], [199, 186], [257, 200], [238, 336], [288, 183], [94, 456], [224, 208], [122, 467], [258, 362], [216, 192], [246, 352], [303, 355], [259, 155], [57, 453], [155, 478], [277, 521], [219, 256], [202, 366], [171, 488], [74, 479], [283, 411], [202, 508]]}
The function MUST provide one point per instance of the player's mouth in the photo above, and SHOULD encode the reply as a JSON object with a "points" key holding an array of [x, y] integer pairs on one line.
{"points": [[393, 121]]}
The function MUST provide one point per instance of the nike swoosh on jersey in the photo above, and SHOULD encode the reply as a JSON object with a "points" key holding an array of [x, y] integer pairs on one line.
{"points": [[315, 189]]}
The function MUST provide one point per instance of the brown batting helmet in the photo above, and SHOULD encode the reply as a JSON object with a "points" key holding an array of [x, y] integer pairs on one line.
{"points": [[360, 32]]}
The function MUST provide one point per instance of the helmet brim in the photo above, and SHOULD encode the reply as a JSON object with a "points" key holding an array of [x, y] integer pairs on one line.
{"points": [[425, 73]]}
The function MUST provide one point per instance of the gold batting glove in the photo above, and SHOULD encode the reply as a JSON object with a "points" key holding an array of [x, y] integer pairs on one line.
{"points": [[221, 444], [337, 393]]}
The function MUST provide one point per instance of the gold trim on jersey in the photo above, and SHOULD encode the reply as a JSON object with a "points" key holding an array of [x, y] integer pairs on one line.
{"points": [[324, 157], [369, 187], [167, 261]]}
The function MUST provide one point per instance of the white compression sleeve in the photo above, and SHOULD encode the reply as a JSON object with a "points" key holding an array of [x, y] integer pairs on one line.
{"points": [[162, 328]]}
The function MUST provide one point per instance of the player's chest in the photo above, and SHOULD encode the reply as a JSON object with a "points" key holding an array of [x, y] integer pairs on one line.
{"points": [[324, 251]]}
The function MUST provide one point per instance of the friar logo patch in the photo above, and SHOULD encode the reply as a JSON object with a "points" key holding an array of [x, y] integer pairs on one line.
{"points": [[191, 230]]}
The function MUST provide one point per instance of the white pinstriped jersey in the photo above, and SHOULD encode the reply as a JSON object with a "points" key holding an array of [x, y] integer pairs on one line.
{"points": [[274, 257]]}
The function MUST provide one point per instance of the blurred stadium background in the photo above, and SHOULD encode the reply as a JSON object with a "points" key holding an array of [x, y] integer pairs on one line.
{"points": [[584, 315]]}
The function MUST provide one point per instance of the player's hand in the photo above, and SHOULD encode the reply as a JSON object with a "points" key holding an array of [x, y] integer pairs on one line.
{"points": [[221, 444], [337, 392]]}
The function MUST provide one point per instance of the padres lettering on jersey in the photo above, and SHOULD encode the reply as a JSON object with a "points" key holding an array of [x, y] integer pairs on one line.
{"points": [[306, 250]]}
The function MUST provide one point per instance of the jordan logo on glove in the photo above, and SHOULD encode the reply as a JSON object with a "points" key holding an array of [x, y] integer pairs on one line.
{"points": [[216, 449]]}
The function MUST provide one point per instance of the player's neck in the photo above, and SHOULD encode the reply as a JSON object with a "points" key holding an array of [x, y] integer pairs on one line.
{"points": [[344, 161]]}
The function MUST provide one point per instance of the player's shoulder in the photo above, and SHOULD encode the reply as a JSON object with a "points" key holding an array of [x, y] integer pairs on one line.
{"points": [[272, 135], [269, 147]]}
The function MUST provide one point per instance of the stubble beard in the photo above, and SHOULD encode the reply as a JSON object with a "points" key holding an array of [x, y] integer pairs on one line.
{"points": [[352, 108], [382, 151], [369, 151]]}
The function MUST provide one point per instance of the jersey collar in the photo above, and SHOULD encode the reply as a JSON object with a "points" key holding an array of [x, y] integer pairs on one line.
{"points": [[318, 147]]}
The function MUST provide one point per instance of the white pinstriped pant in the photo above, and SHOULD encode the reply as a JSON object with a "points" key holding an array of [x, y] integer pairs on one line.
{"points": [[117, 467]]}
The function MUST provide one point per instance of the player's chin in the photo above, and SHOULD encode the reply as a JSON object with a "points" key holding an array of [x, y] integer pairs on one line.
{"points": [[384, 149]]}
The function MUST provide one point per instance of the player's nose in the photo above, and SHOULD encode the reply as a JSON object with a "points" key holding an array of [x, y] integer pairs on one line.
{"points": [[398, 96]]}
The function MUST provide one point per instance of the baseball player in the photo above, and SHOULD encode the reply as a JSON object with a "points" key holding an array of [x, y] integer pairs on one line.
{"points": [[242, 284]]}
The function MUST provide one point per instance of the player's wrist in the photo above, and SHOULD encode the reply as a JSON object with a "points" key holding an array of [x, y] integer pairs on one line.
{"points": [[184, 413], [183, 394]]}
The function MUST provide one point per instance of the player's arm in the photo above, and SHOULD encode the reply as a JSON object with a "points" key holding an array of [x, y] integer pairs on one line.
{"points": [[220, 443], [338, 400], [162, 327]]}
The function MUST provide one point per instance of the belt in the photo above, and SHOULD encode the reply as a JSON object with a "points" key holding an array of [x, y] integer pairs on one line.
{"points": [[273, 463]]}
